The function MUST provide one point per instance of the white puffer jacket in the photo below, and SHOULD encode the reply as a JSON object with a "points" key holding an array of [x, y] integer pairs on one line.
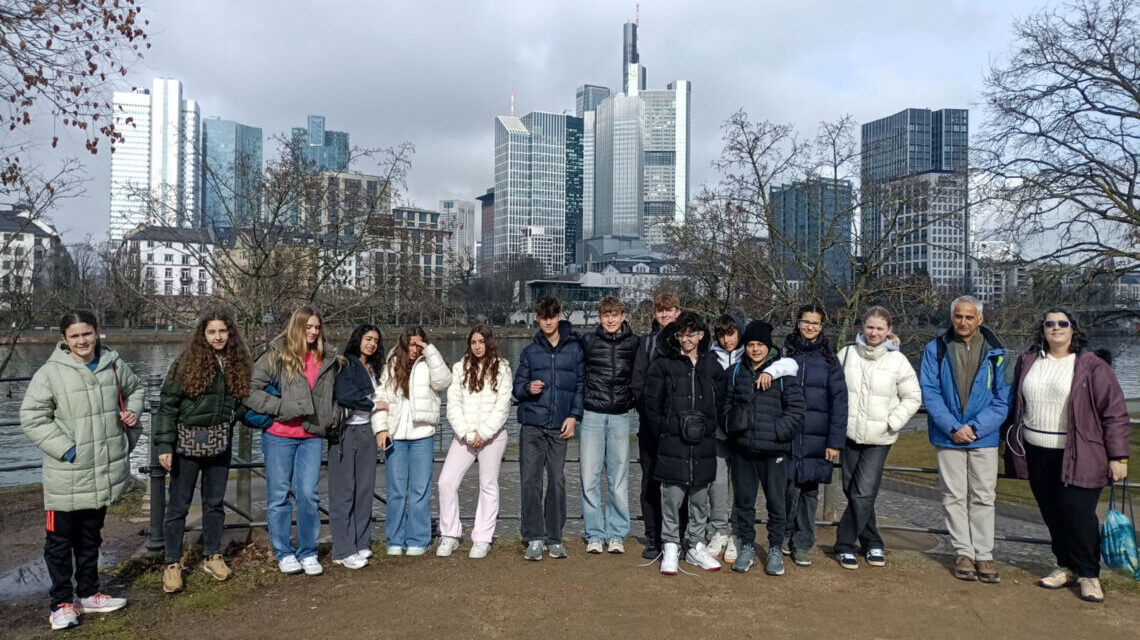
{"points": [[484, 412], [430, 377], [882, 391]]}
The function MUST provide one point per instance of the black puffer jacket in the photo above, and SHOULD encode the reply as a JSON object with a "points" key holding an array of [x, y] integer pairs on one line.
{"points": [[825, 396], [759, 421], [609, 369], [675, 385]]}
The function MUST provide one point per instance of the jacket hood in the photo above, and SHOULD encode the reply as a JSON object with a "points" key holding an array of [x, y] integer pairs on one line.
{"points": [[566, 334], [623, 332], [795, 343], [989, 337], [63, 357], [874, 353]]}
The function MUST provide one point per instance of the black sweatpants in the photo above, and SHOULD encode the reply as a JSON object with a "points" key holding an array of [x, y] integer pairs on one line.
{"points": [[184, 473], [1069, 512], [750, 472], [72, 549]]}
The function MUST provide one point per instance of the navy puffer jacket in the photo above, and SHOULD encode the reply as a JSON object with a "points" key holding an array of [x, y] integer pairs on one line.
{"points": [[825, 422], [562, 368], [762, 422]]}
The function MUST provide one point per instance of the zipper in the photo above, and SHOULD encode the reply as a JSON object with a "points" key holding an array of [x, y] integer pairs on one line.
{"points": [[553, 388]]}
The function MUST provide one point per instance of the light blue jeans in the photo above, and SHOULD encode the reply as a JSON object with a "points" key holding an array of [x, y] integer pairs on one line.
{"points": [[407, 473], [603, 441], [296, 463]]}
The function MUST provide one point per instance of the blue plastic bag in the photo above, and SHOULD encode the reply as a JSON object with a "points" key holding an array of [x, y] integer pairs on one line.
{"points": [[260, 420], [1118, 538]]}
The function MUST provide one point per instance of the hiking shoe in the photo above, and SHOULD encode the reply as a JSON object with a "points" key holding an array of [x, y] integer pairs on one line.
{"points": [[395, 550], [289, 565], [446, 546], [802, 557], [1090, 589], [848, 561], [730, 548], [172, 578], [365, 553], [987, 572], [876, 558], [775, 564], [670, 559], [64, 617], [353, 561], [786, 548], [964, 569], [651, 551], [215, 566], [595, 546], [534, 550], [1060, 578], [716, 544], [99, 603], [615, 545], [557, 550], [745, 559], [312, 566], [479, 550], [700, 557], [415, 551]]}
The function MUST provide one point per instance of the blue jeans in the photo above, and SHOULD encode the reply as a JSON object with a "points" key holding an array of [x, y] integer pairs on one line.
{"points": [[296, 463], [604, 442], [407, 473]]}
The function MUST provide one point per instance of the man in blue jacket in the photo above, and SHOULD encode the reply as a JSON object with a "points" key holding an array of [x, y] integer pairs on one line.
{"points": [[549, 384], [967, 399]]}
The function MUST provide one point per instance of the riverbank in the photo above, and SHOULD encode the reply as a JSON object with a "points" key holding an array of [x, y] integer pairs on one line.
{"points": [[47, 335]]}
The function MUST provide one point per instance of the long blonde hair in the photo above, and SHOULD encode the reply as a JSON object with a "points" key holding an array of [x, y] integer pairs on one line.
{"points": [[295, 346]]}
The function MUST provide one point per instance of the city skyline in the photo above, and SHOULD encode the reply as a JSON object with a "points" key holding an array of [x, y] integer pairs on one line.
{"points": [[761, 68]]}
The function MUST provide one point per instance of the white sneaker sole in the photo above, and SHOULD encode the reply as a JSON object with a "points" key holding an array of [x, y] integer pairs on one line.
{"points": [[84, 610], [210, 572]]}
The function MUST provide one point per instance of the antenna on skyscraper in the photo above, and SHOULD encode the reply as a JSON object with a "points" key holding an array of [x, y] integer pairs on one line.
{"points": [[512, 103], [637, 14]]}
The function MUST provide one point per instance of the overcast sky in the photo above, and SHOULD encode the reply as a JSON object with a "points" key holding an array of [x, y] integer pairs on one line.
{"points": [[436, 73]]}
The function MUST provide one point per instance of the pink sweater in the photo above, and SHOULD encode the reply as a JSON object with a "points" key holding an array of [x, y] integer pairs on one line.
{"points": [[292, 428]]}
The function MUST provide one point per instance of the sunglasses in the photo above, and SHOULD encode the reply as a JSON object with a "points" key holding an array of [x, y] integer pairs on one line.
{"points": [[1049, 324]]}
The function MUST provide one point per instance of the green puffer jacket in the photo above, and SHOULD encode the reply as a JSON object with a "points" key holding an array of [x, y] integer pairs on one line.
{"points": [[67, 405], [216, 405], [317, 405]]}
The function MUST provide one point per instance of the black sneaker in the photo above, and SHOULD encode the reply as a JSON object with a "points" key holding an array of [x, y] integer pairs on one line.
{"points": [[652, 550]]}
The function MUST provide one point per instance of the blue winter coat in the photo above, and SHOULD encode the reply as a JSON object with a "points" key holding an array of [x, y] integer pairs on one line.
{"points": [[562, 368], [825, 425], [987, 405]]}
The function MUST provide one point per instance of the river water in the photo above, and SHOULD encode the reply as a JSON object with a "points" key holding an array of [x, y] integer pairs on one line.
{"points": [[155, 359]]}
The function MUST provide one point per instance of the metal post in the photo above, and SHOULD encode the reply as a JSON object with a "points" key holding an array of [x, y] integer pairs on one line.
{"points": [[243, 492], [155, 541]]}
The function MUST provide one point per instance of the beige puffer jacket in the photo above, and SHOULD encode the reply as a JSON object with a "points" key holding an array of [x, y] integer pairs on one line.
{"points": [[882, 391], [67, 405]]}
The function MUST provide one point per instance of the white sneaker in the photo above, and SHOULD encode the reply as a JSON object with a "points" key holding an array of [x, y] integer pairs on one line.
{"points": [[415, 551], [99, 603], [64, 617], [670, 558], [616, 545], [479, 550], [595, 546], [365, 553], [717, 544], [289, 565], [353, 561], [730, 549], [312, 566], [700, 557], [446, 546]]}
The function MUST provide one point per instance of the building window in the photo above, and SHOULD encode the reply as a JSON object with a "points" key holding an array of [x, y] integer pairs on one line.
{"points": [[185, 259], [150, 257], [169, 258], [201, 274], [169, 273], [168, 288]]}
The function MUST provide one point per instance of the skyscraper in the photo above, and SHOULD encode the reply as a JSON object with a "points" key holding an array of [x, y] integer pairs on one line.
{"points": [[326, 150], [538, 188], [813, 223], [916, 205], [155, 169], [487, 228], [231, 174], [588, 97], [631, 68], [463, 221]]}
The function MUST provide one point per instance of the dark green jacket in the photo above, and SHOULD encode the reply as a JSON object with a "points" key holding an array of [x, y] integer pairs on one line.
{"points": [[216, 405]]}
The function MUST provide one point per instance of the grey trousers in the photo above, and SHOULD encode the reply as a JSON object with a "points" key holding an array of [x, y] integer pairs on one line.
{"points": [[542, 451], [969, 489], [352, 482], [720, 496], [801, 502], [672, 496]]}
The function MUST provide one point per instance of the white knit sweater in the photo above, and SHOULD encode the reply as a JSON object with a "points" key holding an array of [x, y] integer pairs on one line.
{"points": [[1046, 390]]}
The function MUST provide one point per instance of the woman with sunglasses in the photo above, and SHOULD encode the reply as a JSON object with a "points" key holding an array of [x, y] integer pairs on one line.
{"points": [[1069, 436]]}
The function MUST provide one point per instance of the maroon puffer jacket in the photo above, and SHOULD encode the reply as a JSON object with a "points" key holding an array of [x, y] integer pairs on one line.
{"points": [[1098, 428]]}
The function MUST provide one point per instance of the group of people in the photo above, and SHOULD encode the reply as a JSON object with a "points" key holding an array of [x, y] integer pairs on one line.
{"points": [[723, 414]]}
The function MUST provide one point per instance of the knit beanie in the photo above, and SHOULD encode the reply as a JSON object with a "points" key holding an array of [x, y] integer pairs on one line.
{"points": [[757, 331]]}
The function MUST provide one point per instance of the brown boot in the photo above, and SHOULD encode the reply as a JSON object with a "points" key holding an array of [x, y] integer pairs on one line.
{"points": [[1090, 589], [216, 566], [964, 568], [1058, 579], [172, 578], [987, 572]]}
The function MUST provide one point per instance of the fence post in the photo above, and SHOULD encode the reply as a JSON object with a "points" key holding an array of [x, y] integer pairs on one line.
{"points": [[155, 541], [243, 492]]}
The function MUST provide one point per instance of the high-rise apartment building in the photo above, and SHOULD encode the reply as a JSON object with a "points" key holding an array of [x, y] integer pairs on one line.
{"points": [[156, 167], [588, 97], [538, 188], [811, 222], [231, 173], [915, 188], [325, 150]]}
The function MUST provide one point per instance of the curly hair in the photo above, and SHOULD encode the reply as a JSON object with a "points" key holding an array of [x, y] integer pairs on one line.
{"points": [[1080, 339], [295, 345], [196, 365], [352, 349], [399, 369], [476, 370]]}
